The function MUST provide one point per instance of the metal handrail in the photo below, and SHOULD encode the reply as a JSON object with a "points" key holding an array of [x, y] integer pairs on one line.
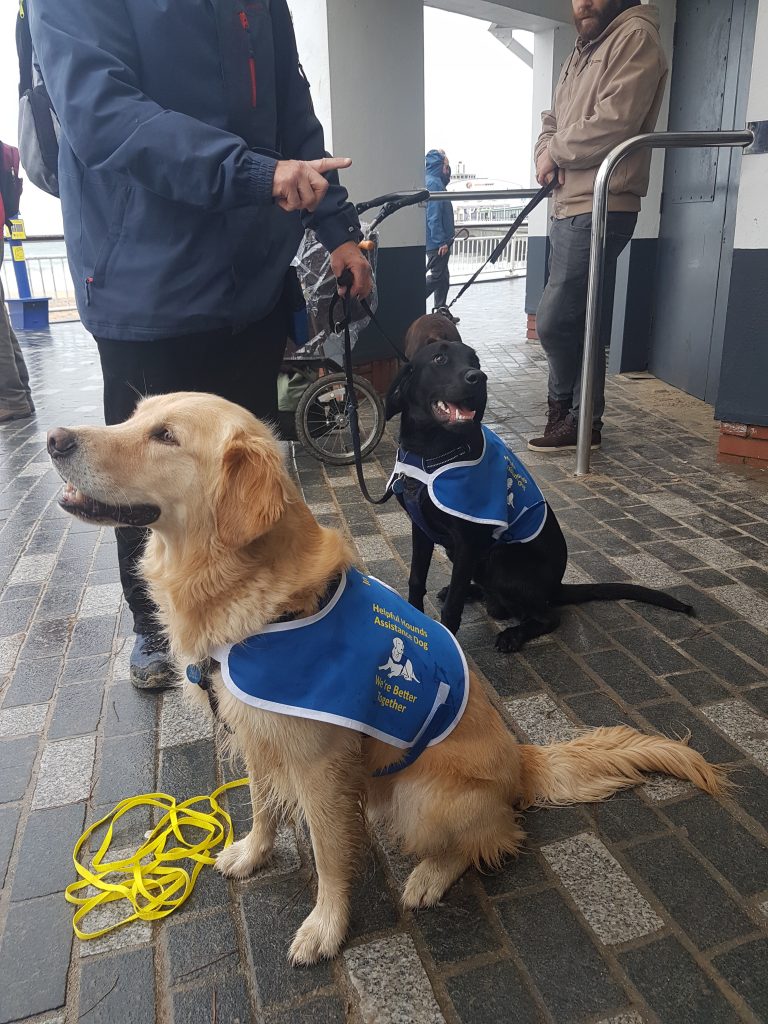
{"points": [[651, 140], [469, 196]]}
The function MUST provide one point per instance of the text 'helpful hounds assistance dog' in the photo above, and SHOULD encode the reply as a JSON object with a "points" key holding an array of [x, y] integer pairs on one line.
{"points": [[466, 491], [343, 700]]}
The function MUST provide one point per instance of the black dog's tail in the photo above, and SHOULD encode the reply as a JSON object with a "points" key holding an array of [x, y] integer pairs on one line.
{"points": [[579, 593]]}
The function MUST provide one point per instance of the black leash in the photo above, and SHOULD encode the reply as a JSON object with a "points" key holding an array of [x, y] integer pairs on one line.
{"points": [[534, 202], [375, 321], [346, 280]]}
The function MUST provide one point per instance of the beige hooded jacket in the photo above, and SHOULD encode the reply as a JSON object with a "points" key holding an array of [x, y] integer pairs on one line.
{"points": [[609, 90]]}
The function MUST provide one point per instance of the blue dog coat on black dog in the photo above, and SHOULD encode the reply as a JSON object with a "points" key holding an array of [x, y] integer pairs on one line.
{"points": [[368, 661], [494, 490]]}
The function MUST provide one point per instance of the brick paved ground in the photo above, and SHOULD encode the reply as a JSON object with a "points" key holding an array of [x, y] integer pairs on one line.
{"points": [[651, 907]]}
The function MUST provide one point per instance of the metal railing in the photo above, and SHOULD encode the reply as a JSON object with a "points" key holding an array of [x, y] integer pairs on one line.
{"points": [[468, 254], [651, 140], [479, 215], [48, 275], [471, 197]]}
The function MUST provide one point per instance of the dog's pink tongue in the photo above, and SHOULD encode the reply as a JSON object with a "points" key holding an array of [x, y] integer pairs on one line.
{"points": [[458, 412]]}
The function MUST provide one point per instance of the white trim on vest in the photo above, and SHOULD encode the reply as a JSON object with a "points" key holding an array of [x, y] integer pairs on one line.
{"points": [[502, 525]]}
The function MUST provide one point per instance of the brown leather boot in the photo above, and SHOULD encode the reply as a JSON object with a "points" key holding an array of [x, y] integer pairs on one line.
{"points": [[556, 413], [562, 437]]}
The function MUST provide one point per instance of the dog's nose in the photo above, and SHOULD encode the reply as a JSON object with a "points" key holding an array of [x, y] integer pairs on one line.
{"points": [[474, 376], [61, 442]]}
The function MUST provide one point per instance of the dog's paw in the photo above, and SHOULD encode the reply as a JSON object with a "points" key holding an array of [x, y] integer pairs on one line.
{"points": [[423, 888], [242, 858], [509, 640], [319, 938]]}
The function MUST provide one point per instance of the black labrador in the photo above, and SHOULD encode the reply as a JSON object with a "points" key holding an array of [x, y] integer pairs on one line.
{"points": [[441, 396]]}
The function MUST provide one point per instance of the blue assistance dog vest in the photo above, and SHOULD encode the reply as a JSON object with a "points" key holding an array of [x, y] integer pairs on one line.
{"points": [[368, 661], [495, 490]]}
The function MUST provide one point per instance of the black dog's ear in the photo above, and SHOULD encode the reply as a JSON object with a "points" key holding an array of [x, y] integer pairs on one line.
{"points": [[398, 391]]}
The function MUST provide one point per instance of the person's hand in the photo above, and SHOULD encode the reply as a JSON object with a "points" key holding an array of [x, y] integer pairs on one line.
{"points": [[348, 256], [546, 168], [300, 185], [443, 250]]}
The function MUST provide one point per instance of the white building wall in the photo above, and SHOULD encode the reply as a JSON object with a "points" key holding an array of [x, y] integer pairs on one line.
{"points": [[365, 63]]}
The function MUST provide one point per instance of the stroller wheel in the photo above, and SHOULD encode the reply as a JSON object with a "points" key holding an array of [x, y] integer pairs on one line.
{"points": [[322, 423]]}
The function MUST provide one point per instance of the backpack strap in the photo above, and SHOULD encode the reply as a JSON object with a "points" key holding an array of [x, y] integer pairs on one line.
{"points": [[24, 48]]}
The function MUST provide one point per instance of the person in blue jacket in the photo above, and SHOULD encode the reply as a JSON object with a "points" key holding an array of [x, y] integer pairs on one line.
{"points": [[440, 230], [190, 162]]}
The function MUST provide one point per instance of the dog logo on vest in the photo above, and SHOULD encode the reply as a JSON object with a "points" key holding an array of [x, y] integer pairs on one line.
{"points": [[397, 668]]}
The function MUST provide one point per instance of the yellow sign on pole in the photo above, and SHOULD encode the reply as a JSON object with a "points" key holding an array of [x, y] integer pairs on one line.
{"points": [[17, 228]]}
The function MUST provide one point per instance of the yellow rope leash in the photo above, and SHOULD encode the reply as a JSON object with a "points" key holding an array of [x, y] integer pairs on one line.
{"points": [[156, 888]]}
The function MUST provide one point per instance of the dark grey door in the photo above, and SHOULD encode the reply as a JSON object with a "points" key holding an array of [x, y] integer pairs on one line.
{"points": [[696, 234]]}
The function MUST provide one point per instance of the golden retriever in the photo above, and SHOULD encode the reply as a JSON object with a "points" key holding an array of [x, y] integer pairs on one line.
{"points": [[233, 548]]}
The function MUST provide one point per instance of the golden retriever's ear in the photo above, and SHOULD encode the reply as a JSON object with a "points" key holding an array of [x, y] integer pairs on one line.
{"points": [[251, 495]]}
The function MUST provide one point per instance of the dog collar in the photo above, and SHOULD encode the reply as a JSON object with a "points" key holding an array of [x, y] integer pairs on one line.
{"points": [[436, 462]]}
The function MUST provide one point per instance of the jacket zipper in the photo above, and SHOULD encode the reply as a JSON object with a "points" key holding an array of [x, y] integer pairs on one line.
{"points": [[88, 283], [251, 58]]}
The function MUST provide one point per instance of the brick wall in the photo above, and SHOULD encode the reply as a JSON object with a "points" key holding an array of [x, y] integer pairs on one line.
{"points": [[744, 444]]}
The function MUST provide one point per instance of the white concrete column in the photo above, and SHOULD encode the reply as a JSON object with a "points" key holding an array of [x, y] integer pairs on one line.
{"points": [[365, 64], [635, 271], [650, 212], [551, 49]]}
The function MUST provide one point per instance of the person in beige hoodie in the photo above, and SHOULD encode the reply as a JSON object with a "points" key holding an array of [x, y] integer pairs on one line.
{"points": [[609, 90]]}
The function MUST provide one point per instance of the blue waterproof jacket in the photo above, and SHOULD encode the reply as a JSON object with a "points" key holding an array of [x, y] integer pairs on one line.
{"points": [[173, 115], [440, 229]]}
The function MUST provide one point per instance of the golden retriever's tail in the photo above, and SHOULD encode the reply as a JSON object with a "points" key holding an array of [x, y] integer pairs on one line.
{"points": [[602, 761]]}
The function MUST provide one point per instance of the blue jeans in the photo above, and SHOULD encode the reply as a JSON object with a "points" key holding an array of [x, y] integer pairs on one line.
{"points": [[563, 306]]}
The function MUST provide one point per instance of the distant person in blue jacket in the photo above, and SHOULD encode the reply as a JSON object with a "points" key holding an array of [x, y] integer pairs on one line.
{"points": [[189, 146], [440, 231]]}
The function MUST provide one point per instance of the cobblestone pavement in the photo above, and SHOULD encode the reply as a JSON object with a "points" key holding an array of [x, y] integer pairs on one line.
{"points": [[651, 907]]}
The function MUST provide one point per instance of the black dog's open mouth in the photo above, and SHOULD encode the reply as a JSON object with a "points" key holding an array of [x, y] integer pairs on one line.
{"points": [[450, 412], [84, 507]]}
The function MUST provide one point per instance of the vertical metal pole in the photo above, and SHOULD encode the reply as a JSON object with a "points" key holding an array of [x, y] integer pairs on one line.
{"points": [[592, 323]]}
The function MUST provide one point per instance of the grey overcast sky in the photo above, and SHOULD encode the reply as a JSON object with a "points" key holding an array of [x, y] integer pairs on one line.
{"points": [[478, 104]]}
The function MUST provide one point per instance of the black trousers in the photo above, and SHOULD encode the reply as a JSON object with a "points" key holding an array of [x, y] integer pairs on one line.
{"points": [[241, 367], [438, 276]]}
